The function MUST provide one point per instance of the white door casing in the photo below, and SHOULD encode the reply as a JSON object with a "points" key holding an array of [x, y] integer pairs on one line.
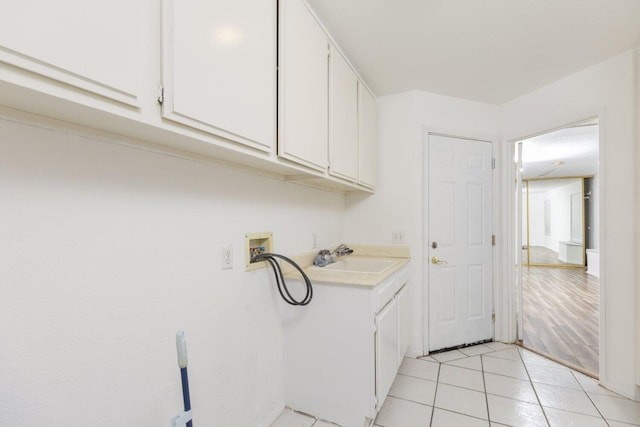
{"points": [[460, 193], [518, 247]]}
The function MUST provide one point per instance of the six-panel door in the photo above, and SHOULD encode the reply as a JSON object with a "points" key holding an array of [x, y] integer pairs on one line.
{"points": [[459, 243]]}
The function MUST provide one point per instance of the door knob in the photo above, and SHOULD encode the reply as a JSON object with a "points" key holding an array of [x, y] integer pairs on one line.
{"points": [[436, 260]]}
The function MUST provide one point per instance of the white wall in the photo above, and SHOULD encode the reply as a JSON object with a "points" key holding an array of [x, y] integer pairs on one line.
{"points": [[107, 251], [608, 90], [397, 204], [560, 207], [536, 219]]}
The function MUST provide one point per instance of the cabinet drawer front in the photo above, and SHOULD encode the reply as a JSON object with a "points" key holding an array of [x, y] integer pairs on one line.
{"points": [[385, 291]]}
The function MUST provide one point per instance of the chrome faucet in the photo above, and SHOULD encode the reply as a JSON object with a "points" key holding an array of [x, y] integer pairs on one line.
{"points": [[325, 256], [342, 250]]}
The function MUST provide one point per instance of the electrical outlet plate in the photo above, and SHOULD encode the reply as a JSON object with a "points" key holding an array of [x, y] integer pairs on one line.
{"points": [[256, 243], [227, 258], [397, 237]]}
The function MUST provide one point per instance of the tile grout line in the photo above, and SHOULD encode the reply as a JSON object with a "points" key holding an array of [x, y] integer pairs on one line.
{"points": [[589, 397], [413, 376], [465, 388], [435, 395], [408, 400], [544, 413], [521, 353], [572, 372], [486, 395]]}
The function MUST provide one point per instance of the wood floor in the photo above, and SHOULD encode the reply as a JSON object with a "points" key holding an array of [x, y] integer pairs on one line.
{"points": [[541, 255], [561, 314]]}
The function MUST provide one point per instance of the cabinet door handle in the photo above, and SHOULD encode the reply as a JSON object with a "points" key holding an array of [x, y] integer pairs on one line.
{"points": [[436, 260]]}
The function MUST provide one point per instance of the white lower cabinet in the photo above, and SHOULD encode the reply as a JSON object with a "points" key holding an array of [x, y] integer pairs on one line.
{"points": [[342, 351], [387, 345]]}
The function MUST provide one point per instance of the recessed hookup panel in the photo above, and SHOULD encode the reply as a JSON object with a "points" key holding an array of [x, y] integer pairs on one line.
{"points": [[255, 244]]}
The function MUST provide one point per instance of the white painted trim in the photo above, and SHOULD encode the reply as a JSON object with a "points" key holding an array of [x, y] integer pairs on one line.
{"points": [[508, 225], [506, 318], [425, 239], [637, 249], [497, 260], [602, 349], [517, 228]]}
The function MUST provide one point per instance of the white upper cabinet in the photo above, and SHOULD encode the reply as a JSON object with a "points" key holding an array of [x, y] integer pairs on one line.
{"points": [[256, 83], [95, 46], [303, 87], [219, 68], [368, 137], [343, 118]]}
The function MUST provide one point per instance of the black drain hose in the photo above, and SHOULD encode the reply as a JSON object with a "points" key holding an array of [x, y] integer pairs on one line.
{"points": [[282, 286]]}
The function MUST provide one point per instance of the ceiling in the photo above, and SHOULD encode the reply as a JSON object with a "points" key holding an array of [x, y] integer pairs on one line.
{"points": [[576, 147], [490, 51]]}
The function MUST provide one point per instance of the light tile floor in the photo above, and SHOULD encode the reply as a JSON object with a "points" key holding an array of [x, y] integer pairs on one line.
{"points": [[492, 384]]}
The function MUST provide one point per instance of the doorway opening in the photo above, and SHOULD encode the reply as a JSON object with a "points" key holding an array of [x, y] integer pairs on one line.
{"points": [[557, 248]]}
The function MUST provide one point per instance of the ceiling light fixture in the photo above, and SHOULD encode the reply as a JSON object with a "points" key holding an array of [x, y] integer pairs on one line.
{"points": [[558, 163]]}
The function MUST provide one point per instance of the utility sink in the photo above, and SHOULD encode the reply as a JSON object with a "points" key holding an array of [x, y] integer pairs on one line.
{"points": [[359, 265]]}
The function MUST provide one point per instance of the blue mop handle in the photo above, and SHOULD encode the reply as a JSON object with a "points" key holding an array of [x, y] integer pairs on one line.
{"points": [[185, 393], [181, 344]]}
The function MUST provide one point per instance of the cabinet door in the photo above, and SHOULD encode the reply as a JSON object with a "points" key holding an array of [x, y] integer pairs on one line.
{"points": [[343, 118], [386, 349], [368, 136], [219, 68], [94, 46], [303, 85], [404, 323]]}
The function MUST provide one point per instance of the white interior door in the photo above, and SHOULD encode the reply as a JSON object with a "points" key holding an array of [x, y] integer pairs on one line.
{"points": [[459, 244]]}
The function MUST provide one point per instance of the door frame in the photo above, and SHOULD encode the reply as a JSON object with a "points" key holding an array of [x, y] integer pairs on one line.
{"points": [[425, 218], [513, 287]]}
